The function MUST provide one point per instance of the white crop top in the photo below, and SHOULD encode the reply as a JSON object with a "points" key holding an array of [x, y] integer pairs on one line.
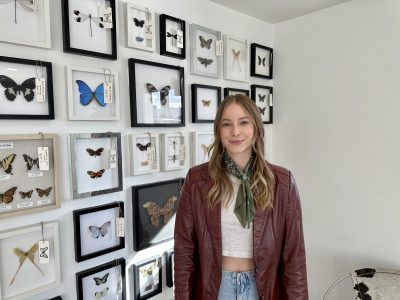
{"points": [[236, 240]]}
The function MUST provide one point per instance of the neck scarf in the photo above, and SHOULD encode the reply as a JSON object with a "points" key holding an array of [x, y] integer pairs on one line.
{"points": [[244, 206]]}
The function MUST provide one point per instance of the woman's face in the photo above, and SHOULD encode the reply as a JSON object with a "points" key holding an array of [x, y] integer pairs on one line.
{"points": [[237, 131]]}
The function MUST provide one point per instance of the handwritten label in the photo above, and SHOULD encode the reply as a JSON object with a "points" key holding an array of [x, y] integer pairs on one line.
{"points": [[6, 145], [181, 152], [148, 30], [107, 17], [44, 252], [5, 177], [43, 155], [113, 158], [43, 202], [25, 205], [107, 92], [120, 224], [35, 174], [151, 154], [219, 48], [179, 40], [40, 89], [3, 208]]}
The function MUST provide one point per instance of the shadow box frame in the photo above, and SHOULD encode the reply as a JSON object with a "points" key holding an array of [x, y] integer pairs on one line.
{"points": [[199, 112], [153, 195], [116, 263], [165, 48], [135, 150], [167, 156], [73, 93], [147, 44], [263, 105], [258, 63], [42, 6], [137, 83], [116, 209], [228, 90], [200, 149], [169, 267], [68, 40], [117, 158], [33, 233], [37, 189], [40, 68], [236, 62], [136, 269]]}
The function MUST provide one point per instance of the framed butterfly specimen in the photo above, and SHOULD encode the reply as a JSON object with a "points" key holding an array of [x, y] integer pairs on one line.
{"points": [[174, 151], [236, 58], [157, 96], [19, 260], [147, 276], [205, 102], [145, 153], [26, 89], [262, 96], [233, 91], [140, 24], [93, 94], [154, 206], [169, 265], [202, 142], [172, 37], [105, 281], [96, 164], [205, 57], [89, 28], [95, 230], [261, 61]]}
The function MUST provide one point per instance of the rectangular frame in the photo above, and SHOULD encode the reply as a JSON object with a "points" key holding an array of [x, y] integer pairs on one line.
{"points": [[169, 26], [153, 88], [99, 41], [95, 164], [173, 151], [203, 58], [140, 33], [87, 240], [141, 152], [15, 25], [263, 101], [24, 73], [38, 190], [236, 59], [86, 284], [150, 226], [205, 102], [141, 275], [261, 61], [170, 267], [89, 91], [201, 142], [232, 91], [24, 238]]}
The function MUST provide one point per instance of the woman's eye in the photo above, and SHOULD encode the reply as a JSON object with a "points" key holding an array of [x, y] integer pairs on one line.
{"points": [[225, 124], [244, 122]]}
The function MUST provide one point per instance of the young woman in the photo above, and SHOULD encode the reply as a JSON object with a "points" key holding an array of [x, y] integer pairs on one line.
{"points": [[238, 229]]}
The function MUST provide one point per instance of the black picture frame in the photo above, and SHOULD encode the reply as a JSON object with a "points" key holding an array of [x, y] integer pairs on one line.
{"points": [[116, 270], [109, 39], [146, 226], [84, 243], [169, 268], [231, 91], [262, 96], [168, 40], [261, 61], [141, 270], [146, 105], [7, 111], [204, 110], [56, 298]]}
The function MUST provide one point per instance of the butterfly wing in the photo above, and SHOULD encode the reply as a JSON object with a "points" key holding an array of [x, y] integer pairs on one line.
{"points": [[29, 162], [151, 88], [5, 164], [81, 17], [26, 4], [11, 87], [169, 208], [94, 152], [7, 197], [204, 43], [104, 228], [99, 92], [153, 210], [138, 23], [164, 92], [263, 61], [86, 94], [94, 231], [27, 88]]}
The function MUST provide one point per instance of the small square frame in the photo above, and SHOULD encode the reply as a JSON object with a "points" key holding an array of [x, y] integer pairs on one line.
{"points": [[173, 151], [262, 96], [140, 153], [140, 35], [205, 102], [201, 142], [261, 61], [170, 266], [141, 277], [169, 27], [86, 37], [87, 287], [233, 91], [236, 58], [157, 94], [88, 230]]}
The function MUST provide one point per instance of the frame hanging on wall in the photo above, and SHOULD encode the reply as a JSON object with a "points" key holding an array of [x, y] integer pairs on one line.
{"points": [[236, 58], [170, 266], [140, 27], [172, 37], [147, 278], [145, 153], [233, 91], [173, 151], [261, 61], [202, 142], [205, 102], [262, 96]]}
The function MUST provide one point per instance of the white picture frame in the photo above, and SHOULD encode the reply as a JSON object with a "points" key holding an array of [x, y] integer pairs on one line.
{"points": [[201, 141], [141, 151], [174, 151], [236, 58], [140, 27]]}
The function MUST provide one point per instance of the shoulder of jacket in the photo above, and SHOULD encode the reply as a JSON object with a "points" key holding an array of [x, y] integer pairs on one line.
{"points": [[282, 175], [198, 173]]}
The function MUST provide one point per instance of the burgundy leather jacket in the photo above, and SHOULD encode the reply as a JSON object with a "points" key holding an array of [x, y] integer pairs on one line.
{"points": [[278, 245]]}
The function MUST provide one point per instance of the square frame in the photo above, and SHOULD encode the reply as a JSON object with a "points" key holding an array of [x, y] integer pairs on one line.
{"points": [[74, 24], [170, 266], [26, 22], [140, 149], [261, 61], [24, 238], [236, 58], [103, 220], [95, 163], [155, 101], [232, 91], [149, 227], [262, 96], [169, 27], [143, 27], [173, 151], [86, 285], [150, 271], [203, 49], [201, 142], [25, 68], [204, 108], [92, 108]]}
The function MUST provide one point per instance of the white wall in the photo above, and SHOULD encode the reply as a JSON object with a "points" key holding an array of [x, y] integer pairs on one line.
{"points": [[336, 127], [203, 13]]}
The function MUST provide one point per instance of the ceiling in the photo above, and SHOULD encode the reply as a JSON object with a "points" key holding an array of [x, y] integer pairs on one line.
{"points": [[275, 11]]}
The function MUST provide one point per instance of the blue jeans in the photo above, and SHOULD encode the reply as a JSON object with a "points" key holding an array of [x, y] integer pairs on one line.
{"points": [[238, 285]]}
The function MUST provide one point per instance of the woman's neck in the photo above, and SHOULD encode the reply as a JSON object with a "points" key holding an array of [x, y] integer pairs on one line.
{"points": [[241, 160]]}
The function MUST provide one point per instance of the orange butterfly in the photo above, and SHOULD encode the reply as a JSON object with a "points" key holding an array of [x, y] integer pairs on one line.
{"points": [[7, 197], [155, 212], [94, 174]]}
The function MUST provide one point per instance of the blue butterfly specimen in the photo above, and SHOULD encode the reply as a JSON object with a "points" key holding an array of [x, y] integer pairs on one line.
{"points": [[96, 232], [87, 95]]}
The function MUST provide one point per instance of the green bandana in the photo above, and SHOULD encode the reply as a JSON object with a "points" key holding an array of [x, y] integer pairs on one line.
{"points": [[244, 206]]}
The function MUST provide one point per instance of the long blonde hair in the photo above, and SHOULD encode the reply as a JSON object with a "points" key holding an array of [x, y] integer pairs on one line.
{"points": [[262, 181]]}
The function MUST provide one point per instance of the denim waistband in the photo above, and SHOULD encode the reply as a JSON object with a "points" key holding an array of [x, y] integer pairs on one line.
{"points": [[236, 274]]}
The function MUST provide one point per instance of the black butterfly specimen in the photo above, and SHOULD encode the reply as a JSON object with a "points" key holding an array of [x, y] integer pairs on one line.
{"points": [[204, 43], [102, 280], [12, 89], [81, 17], [261, 60], [175, 36], [138, 23], [45, 192], [94, 174], [94, 152], [155, 212], [27, 194], [205, 61], [7, 196], [143, 147], [164, 92], [5, 164], [30, 162], [262, 110], [261, 98], [206, 103]]}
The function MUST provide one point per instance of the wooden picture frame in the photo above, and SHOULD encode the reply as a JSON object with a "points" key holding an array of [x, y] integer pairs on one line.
{"points": [[236, 59], [201, 143], [140, 27]]}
